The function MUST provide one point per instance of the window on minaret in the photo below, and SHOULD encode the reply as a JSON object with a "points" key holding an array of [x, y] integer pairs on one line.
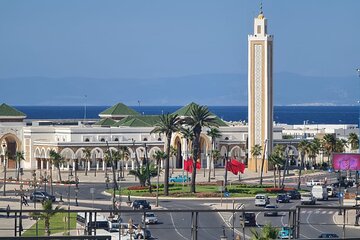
{"points": [[258, 29]]}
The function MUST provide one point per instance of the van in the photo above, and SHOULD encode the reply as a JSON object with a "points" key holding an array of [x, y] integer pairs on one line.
{"points": [[261, 200], [100, 223], [320, 192], [331, 191]]}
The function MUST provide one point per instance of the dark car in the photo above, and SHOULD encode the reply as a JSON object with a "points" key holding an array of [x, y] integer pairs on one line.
{"points": [[248, 219], [282, 198], [271, 213], [41, 196], [328, 235], [294, 194], [141, 204]]}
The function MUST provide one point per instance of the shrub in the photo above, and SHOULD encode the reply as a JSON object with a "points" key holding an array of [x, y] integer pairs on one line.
{"points": [[278, 190]]}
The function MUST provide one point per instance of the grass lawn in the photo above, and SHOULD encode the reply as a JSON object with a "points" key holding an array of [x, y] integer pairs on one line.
{"points": [[57, 225], [178, 190]]}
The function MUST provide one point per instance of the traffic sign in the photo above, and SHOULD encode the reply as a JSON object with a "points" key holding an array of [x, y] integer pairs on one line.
{"points": [[226, 194]]}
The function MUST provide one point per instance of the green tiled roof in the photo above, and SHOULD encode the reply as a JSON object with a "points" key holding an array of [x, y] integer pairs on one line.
{"points": [[7, 111], [185, 111], [138, 121], [106, 122], [119, 109]]}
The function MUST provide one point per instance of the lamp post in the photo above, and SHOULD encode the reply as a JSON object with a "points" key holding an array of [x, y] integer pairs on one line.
{"points": [[357, 172], [21, 192], [223, 237], [5, 163]]}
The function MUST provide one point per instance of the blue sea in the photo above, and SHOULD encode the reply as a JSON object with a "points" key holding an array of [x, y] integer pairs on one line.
{"points": [[282, 114]]}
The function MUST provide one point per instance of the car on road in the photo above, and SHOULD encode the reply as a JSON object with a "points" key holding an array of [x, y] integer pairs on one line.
{"points": [[294, 194], [179, 179], [41, 196], [149, 218], [331, 191], [328, 235], [262, 200], [314, 183], [308, 198], [286, 233], [140, 204], [282, 198], [114, 225], [320, 192], [248, 219], [271, 213]]}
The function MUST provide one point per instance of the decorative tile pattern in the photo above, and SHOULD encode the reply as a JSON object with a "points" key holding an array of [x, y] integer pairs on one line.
{"points": [[258, 94]]}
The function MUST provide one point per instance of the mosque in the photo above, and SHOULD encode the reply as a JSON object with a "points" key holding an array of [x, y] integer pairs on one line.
{"points": [[120, 125]]}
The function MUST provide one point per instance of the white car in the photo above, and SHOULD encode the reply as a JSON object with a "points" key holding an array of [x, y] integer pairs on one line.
{"points": [[308, 198], [262, 200], [314, 183], [149, 218]]}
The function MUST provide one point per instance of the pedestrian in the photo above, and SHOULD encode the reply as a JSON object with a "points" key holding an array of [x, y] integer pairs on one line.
{"points": [[357, 216], [25, 201], [8, 210]]}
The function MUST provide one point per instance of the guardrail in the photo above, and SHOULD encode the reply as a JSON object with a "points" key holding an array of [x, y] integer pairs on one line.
{"points": [[89, 230]]}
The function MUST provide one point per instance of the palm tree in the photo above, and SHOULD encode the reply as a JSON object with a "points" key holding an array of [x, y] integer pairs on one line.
{"points": [[159, 155], [329, 144], [340, 145], [46, 214], [303, 148], [188, 135], [56, 160], [124, 153], [353, 140], [143, 173], [268, 232], [87, 156], [279, 151], [213, 133], [168, 124], [256, 151], [314, 149], [18, 157], [274, 160], [199, 117]]}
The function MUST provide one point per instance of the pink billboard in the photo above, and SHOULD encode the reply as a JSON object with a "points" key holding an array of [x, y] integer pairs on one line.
{"points": [[346, 161]]}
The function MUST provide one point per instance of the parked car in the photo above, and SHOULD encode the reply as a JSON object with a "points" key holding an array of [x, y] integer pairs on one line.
{"points": [[179, 178], [328, 235], [320, 192], [261, 200], [314, 183], [286, 233], [141, 204], [308, 198], [41, 196], [294, 194], [282, 198], [149, 218], [271, 213], [248, 219]]}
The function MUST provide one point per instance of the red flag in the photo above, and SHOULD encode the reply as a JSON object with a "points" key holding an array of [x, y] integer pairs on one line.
{"points": [[188, 165], [198, 165], [235, 166]]}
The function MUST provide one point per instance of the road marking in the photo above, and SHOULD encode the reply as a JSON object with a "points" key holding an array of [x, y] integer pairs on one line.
{"points": [[331, 212], [317, 212], [303, 211], [307, 220], [176, 230], [324, 212]]}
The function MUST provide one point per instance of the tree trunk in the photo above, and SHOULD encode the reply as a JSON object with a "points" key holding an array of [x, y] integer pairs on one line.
{"points": [[275, 177], [86, 167], [167, 167], [59, 173], [301, 166], [209, 171], [196, 149], [17, 171], [51, 179], [47, 227]]}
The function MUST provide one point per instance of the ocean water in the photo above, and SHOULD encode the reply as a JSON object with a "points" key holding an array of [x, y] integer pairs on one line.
{"points": [[282, 114]]}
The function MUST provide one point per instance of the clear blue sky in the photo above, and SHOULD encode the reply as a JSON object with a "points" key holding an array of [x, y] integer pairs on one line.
{"points": [[169, 38]]}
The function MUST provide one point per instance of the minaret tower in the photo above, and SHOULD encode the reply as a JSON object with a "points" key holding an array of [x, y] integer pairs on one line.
{"points": [[260, 92]]}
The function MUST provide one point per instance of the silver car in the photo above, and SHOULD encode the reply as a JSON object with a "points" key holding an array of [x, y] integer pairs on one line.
{"points": [[149, 218]]}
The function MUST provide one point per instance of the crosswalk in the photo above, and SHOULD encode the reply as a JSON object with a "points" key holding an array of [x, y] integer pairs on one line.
{"points": [[329, 212]]}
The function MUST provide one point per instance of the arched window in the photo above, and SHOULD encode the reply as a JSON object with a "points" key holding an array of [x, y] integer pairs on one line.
{"points": [[145, 139], [159, 139], [87, 140], [226, 138], [102, 140], [116, 139]]}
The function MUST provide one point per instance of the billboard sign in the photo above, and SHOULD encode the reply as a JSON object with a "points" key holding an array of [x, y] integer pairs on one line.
{"points": [[346, 161]]}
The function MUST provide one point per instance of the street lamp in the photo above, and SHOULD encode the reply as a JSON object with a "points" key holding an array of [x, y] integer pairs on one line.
{"points": [[223, 237], [5, 163], [76, 196]]}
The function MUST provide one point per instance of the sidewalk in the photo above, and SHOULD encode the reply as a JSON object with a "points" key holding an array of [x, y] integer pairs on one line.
{"points": [[349, 217]]}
